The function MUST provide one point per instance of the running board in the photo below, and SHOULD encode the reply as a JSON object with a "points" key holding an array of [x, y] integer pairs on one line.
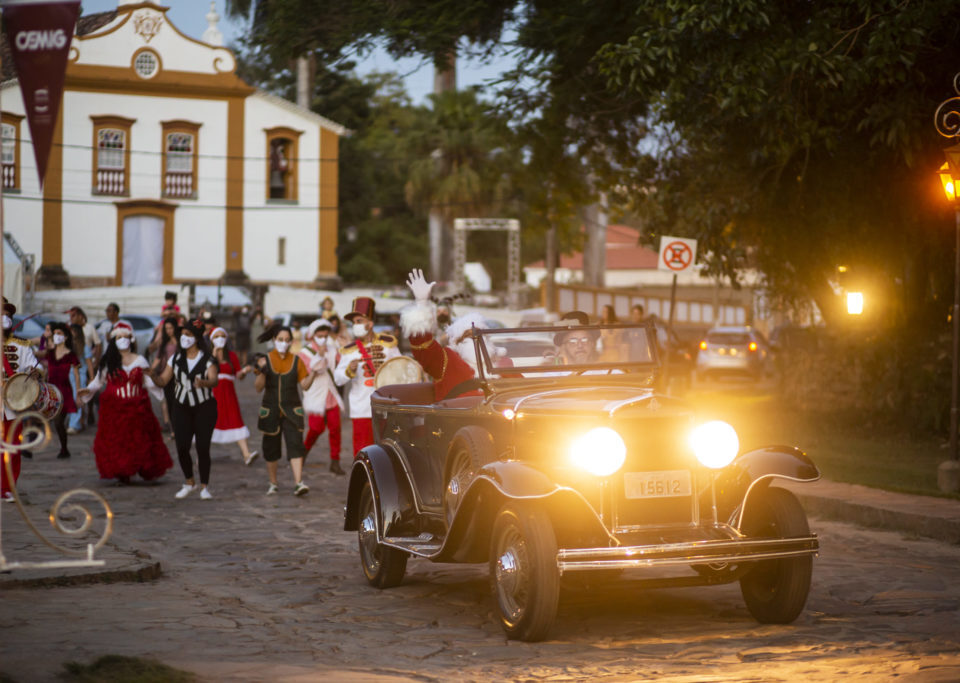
{"points": [[423, 545]]}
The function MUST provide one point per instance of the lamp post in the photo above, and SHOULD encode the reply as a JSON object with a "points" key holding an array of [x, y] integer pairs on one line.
{"points": [[947, 122]]}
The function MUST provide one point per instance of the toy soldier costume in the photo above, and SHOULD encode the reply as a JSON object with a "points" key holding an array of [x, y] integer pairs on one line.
{"points": [[359, 362], [17, 357]]}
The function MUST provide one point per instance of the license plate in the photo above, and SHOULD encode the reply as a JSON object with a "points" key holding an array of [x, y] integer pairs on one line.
{"points": [[666, 484]]}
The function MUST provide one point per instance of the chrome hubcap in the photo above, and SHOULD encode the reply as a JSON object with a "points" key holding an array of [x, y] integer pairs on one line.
{"points": [[511, 575], [369, 548]]}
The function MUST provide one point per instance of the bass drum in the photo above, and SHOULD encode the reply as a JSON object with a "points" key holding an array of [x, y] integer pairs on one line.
{"points": [[399, 370], [21, 391]]}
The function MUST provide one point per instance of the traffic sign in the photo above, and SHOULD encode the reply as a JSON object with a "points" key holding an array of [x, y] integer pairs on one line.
{"points": [[677, 254]]}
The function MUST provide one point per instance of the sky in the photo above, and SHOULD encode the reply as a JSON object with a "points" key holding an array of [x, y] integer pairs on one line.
{"points": [[190, 17]]}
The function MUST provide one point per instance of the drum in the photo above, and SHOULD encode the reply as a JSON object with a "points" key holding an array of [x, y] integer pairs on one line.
{"points": [[399, 370], [24, 392]]}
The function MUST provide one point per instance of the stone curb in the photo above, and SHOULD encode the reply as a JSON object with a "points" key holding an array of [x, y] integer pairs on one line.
{"points": [[942, 529], [131, 571]]}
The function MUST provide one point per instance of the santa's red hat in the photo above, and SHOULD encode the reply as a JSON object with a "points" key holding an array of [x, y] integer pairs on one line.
{"points": [[121, 327]]}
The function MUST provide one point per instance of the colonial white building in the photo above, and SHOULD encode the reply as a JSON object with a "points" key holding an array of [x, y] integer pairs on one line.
{"points": [[166, 167]]}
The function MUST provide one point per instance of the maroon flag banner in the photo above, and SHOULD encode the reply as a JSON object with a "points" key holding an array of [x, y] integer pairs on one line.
{"points": [[39, 34]]}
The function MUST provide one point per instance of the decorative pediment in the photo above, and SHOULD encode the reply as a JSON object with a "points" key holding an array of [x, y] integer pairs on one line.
{"points": [[147, 23]]}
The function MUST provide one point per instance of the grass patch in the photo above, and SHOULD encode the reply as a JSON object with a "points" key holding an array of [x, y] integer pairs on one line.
{"points": [[119, 669], [844, 449]]}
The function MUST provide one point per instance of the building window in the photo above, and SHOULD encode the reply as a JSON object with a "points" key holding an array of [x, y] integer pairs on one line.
{"points": [[146, 64], [111, 155], [180, 141], [282, 251], [10, 150], [282, 153]]}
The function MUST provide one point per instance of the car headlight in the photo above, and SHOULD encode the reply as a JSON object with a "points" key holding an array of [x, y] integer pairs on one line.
{"points": [[715, 443], [601, 452]]}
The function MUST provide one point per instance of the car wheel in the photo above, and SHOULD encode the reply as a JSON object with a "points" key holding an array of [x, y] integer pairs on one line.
{"points": [[383, 566], [523, 571], [470, 449], [776, 590]]}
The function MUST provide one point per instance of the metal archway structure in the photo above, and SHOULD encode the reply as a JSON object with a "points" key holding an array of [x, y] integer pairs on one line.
{"points": [[461, 226]]}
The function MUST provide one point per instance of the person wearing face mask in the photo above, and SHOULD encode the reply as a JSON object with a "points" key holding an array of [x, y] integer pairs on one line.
{"points": [[449, 366], [321, 401], [61, 364], [194, 373], [17, 357], [128, 440], [279, 375], [359, 362], [230, 427]]}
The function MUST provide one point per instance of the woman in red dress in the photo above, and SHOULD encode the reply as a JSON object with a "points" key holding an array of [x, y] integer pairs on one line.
{"points": [[230, 427], [61, 363], [128, 439]]}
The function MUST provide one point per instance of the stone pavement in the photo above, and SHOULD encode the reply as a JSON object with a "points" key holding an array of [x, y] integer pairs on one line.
{"points": [[275, 580]]}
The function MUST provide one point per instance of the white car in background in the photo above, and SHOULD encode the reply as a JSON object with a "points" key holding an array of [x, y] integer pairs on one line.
{"points": [[733, 350]]}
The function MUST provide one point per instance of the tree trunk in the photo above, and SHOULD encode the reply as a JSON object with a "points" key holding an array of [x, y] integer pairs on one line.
{"points": [[550, 281], [441, 227], [304, 81], [595, 248]]}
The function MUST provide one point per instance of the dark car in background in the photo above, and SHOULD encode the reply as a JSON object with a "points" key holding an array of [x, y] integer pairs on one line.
{"points": [[542, 468]]}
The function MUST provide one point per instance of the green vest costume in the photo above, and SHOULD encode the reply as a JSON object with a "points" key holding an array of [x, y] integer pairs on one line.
{"points": [[280, 399]]}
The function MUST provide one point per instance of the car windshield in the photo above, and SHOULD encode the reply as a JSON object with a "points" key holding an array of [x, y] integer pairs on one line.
{"points": [[565, 350], [728, 338]]}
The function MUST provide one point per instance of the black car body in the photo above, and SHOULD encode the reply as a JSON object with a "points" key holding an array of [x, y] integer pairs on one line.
{"points": [[548, 469]]}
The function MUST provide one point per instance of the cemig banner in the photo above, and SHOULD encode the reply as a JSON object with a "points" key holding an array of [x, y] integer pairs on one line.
{"points": [[39, 34]]}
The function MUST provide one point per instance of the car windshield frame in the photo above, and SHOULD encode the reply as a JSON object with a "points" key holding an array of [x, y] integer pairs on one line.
{"points": [[487, 371]]}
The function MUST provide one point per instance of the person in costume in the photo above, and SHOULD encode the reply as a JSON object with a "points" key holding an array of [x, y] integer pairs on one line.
{"points": [[128, 440], [279, 374], [230, 427], [17, 357], [321, 401], [62, 367], [359, 362], [194, 373]]}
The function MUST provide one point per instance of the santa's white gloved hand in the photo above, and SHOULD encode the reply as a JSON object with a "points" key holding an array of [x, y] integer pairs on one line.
{"points": [[419, 285]]}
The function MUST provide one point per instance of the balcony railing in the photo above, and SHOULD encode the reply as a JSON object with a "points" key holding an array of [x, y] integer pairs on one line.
{"points": [[111, 181], [178, 185], [9, 177]]}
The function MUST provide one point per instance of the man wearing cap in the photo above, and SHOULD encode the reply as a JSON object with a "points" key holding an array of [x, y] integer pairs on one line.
{"points": [[359, 362], [321, 402], [576, 347], [17, 357]]}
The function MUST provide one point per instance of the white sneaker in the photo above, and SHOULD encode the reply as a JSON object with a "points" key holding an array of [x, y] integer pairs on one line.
{"points": [[185, 491], [8, 497], [272, 490], [253, 456], [205, 494]]}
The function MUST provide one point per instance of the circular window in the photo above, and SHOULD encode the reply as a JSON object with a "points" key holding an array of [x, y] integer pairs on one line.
{"points": [[146, 64]]}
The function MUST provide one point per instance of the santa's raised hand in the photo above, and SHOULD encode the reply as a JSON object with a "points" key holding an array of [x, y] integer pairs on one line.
{"points": [[418, 285]]}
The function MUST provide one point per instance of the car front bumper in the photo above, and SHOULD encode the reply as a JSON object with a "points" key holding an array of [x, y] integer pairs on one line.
{"points": [[734, 551]]}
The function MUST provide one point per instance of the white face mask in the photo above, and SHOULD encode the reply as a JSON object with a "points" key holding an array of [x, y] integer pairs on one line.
{"points": [[186, 341], [123, 343], [281, 346], [59, 339], [359, 330], [219, 342], [7, 322]]}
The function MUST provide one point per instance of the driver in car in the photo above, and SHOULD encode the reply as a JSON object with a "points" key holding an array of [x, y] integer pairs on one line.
{"points": [[576, 347]]}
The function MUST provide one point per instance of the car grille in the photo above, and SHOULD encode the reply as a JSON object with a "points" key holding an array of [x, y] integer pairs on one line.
{"points": [[654, 445]]}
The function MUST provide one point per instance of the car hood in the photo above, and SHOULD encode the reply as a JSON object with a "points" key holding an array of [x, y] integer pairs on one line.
{"points": [[611, 400]]}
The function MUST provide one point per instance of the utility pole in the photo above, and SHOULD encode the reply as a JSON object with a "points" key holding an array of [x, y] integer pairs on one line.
{"points": [[441, 239]]}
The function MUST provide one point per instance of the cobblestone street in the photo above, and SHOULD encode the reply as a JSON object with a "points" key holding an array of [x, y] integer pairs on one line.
{"points": [[257, 588]]}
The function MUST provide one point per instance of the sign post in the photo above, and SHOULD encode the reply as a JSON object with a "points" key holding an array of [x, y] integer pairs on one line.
{"points": [[677, 255]]}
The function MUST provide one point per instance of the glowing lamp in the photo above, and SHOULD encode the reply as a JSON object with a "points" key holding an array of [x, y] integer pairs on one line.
{"points": [[946, 179], [601, 452], [855, 303], [715, 444], [752, 346], [703, 345]]}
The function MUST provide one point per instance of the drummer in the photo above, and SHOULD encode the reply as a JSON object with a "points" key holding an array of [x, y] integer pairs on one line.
{"points": [[17, 357], [359, 362], [321, 401]]}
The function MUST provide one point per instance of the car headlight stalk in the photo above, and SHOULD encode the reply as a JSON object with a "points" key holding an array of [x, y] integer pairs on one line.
{"points": [[715, 444], [600, 451]]}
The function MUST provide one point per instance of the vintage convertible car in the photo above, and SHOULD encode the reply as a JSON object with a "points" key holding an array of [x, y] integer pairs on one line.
{"points": [[547, 466]]}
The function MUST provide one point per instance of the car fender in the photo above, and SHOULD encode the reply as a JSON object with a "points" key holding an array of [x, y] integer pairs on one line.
{"points": [[756, 469], [574, 519], [392, 492]]}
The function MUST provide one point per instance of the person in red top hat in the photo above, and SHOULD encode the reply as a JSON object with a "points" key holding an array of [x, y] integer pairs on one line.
{"points": [[359, 362]]}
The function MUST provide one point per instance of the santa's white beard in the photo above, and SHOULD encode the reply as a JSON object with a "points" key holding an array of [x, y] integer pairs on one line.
{"points": [[467, 350]]}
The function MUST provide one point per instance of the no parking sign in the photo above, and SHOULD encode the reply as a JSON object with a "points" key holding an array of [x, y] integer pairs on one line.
{"points": [[677, 254]]}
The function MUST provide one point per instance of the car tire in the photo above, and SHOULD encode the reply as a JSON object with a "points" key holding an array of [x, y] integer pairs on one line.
{"points": [[524, 578], [470, 449], [382, 565], [776, 590]]}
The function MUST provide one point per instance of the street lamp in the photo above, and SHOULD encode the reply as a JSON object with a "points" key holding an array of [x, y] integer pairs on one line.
{"points": [[855, 303], [947, 122]]}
